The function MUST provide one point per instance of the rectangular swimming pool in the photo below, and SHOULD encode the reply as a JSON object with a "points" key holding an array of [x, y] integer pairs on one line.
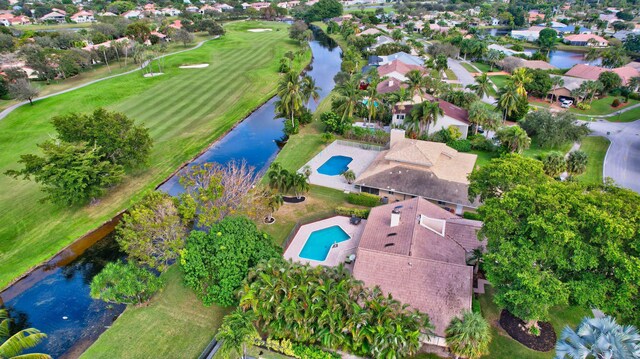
{"points": [[319, 242], [336, 165]]}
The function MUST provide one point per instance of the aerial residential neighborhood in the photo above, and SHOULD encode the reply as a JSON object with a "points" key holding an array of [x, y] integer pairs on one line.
{"points": [[320, 179]]}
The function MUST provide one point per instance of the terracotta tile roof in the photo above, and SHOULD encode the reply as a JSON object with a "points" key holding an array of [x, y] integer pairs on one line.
{"points": [[397, 66], [592, 72], [448, 109], [585, 38], [421, 268], [390, 85]]}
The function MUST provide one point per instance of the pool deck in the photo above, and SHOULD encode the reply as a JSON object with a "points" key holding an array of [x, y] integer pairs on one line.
{"points": [[336, 255], [362, 158]]}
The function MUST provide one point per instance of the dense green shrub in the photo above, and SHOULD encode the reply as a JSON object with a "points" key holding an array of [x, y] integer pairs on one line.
{"points": [[583, 106], [125, 283], [481, 143], [333, 123], [346, 211], [215, 263], [305, 117], [472, 215], [311, 352], [615, 103], [475, 305], [460, 145], [366, 135], [363, 199]]}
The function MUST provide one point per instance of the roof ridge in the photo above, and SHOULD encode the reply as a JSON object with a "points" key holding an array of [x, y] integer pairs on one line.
{"points": [[414, 258]]}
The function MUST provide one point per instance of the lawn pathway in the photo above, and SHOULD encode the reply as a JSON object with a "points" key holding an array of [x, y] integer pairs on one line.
{"points": [[10, 109]]}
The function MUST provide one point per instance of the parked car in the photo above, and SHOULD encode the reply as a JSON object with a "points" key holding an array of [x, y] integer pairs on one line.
{"points": [[566, 103]]}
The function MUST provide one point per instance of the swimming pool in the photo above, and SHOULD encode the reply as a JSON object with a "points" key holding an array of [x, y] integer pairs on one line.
{"points": [[336, 165], [319, 242]]}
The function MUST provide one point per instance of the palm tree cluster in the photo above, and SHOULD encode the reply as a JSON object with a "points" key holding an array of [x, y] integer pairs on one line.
{"points": [[280, 179], [422, 116], [514, 92], [469, 336], [11, 346], [294, 92], [599, 338], [328, 307]]}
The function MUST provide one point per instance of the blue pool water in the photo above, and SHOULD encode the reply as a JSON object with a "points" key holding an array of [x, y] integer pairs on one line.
{"points": [[335, 165], [319, 242]]}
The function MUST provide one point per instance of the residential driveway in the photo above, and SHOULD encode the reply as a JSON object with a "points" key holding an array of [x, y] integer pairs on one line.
{"points": [[622, 162], [465, 77]]}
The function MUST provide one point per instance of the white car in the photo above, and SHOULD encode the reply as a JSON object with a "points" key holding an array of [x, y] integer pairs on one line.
{"points": [[566, 103]]}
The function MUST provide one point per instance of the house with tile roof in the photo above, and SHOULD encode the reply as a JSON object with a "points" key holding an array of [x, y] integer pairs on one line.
{"points": [[586, 40], [417, 252], [402, 56], [589, 72], [53, 16], [414, 168], [390, 85], [452, 115], [530, 34], [83, 16], [397, 69]]}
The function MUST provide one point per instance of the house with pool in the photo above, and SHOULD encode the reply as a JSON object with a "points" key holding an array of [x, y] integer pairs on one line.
{"points": [[414, 168]]}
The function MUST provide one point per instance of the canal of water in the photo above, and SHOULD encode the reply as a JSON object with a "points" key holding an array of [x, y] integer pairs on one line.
{"points": [[54, 298]]}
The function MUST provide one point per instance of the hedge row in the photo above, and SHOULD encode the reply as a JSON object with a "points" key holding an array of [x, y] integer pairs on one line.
{"points": [[363, 199], [345, 211]]}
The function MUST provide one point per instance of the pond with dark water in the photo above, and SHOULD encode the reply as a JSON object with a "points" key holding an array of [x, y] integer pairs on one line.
{"points": [[55, 296]]}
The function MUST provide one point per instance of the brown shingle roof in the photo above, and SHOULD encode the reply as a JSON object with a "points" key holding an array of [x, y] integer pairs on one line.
{"points": [[421, 268], [390, 85]]}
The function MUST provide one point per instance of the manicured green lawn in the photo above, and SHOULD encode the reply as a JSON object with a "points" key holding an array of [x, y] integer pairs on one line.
{"points": [[52, 27], [484, 157], [627, 116], [603, 107], [504, 347], [174, 324], [596, 148], [535, 152], [450, 74], [468, 67], [185, 110], [499, 80], [483, 67]]}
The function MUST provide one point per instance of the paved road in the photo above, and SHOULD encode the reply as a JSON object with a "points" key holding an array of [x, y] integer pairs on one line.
{"points": [[465, 77], [622, 162], [10, 109]]}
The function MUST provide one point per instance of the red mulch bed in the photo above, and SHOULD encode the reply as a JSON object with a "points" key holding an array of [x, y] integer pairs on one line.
{"points": [[515, 327]]}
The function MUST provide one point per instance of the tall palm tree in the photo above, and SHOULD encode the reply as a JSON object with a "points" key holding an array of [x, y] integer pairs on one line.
{"points": [[415, 83], [278, 177], [508, 99], [275, 201], [236, 331], [521, 78], [400, 96], [469, 336], [599, 338], [374, 100], [309, 89], [291, 95], [427, 113], [299, 183], [349, 98], [556, 82], [13, 345], [481, 115], [482, 85]]}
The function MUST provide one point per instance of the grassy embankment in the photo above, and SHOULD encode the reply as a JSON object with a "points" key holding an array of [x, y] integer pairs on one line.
{"points": [[185, 110], [596, 148]]}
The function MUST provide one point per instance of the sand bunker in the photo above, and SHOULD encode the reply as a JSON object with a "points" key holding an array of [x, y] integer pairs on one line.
{"points": [[154, 74], [259, 30], [198, 66]]}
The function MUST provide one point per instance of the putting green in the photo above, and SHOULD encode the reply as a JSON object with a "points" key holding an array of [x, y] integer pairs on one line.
{"points": [[184, 110]]}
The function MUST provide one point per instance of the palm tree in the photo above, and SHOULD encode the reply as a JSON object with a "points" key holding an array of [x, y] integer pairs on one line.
{"points": [[291, 95], [482, 85], [508, 99], [426, 114], [349, 175], [468, 337], [13, 345], [514, 138], [278, 177], [415, 83], [481, 115], [634, 83], [236, 331], [521, 78], [275, 201], [309, 89], [493, 56], [556, 82], [400, 96], [299, 183], [599, 338], [374, 99], [349, 98], [577, 162]]}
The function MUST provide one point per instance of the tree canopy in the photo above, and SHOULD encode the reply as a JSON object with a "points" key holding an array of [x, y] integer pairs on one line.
{"points": [[553, 129], [554, 242], [125, 283], [215, 263], [119, 139], [323, 9]]}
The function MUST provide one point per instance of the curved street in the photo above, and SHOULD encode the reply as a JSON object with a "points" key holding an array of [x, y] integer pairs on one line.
{"points": [[622, 162]]}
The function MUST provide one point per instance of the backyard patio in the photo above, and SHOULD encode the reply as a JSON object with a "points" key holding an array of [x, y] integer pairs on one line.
{"points": [[326, 240], [327, 166]]}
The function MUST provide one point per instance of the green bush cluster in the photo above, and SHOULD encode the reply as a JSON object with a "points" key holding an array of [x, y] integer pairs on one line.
{"points": [[363, 199], [460, 145], [481, 143], [346, 211], [310, 352], [472, 215], [366, 135]]}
